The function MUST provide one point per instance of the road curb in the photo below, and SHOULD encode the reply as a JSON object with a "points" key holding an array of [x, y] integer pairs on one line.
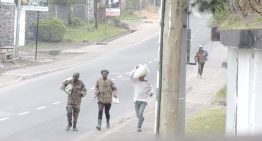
{"points": [[66, 67], [37, 74], [12, 82]]}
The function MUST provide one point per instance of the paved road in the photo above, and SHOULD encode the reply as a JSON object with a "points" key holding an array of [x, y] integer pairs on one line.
{"points": [[34, 110]]}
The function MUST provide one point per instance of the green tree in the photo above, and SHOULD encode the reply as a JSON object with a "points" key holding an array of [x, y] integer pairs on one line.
{"points": [[219, 8], [222, 8], [67, 3], [51, 30]]}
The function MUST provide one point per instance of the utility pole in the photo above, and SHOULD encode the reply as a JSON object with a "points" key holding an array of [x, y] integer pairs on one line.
{"points": [[172, 49], [182, 80], [17, 39], [140, 7], [86, 10], [96, 13]]}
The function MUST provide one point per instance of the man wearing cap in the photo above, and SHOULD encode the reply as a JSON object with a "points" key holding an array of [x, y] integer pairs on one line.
{"points": [[201, 58], [142, 92], [78, 90], [105, 89]]}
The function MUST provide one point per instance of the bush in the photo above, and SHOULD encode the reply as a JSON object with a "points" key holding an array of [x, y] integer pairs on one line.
{"points": [[76, 22], [116, 22], [51, 30]]}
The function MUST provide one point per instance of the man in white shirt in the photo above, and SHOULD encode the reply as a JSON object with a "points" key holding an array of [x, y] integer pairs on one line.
{"points": [[142, 92]]}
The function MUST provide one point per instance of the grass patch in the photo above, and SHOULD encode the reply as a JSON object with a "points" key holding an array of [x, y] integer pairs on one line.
{"points": [[75, 36], [209, 122], [128, 15], [44, 45], [220, 97], [84, 33], [236, 22]]}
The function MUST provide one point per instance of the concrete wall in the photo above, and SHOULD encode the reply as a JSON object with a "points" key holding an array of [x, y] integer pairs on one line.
{"points": [[7, 24], [244, 112], [248, 38]]}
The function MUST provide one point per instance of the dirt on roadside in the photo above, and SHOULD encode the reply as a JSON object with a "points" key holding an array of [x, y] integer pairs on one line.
{"points": [[150, 13]]}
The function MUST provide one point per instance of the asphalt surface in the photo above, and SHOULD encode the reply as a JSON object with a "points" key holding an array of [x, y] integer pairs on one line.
{"points": [[34, 110]]}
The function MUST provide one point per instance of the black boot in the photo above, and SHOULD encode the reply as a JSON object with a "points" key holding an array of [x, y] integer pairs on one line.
{"points": [[107, 123], [69, 125], [74, 127]]}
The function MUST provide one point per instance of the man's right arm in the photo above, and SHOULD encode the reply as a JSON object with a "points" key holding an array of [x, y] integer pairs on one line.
{"points": [[196, 57], [131, 75], [97, 88]]}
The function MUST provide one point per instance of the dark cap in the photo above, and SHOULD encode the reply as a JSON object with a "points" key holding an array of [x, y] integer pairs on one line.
{"points": [[76, 74], [104, 71]]}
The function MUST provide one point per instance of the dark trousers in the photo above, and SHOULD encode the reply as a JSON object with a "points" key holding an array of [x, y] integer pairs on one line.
{"points": [[200, 68], [101, 107], [72, 113]]}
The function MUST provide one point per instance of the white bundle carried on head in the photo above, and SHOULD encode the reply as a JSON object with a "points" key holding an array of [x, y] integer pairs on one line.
{"points": [[141, 71]]}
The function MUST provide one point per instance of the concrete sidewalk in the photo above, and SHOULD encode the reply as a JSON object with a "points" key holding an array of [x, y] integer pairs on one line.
{"points": [[82, 55], [200, 94]]}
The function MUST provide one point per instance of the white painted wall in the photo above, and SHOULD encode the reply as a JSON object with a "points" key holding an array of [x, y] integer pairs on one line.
{"points": [[22, 28], [244, 88], [15, 23], [231, 91], [243, 91], [257, 100]]}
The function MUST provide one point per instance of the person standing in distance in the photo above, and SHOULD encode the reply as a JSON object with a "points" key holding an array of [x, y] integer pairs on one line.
{"points": [[201, 58]]}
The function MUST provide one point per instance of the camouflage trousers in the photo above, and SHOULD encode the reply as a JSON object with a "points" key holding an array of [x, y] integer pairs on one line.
{"points": [[72, 113]]}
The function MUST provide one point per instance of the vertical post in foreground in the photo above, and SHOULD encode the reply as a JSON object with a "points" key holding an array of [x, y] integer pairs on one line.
{"points": [[171, 68], [36, 36]]}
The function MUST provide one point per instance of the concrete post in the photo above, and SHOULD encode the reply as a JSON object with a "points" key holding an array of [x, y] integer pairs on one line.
{"points": [[231, 91], [171, 68], [17, 27], [257, 91], [243, 91]]}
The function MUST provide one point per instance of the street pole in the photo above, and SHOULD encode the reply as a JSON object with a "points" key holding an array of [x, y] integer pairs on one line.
{"points": [[17, 28], [159, 86], [96, 13], [182, 80], [188, 33], [86, 11], [36, 36], [140, 7], [171, 88], [105, 24]]}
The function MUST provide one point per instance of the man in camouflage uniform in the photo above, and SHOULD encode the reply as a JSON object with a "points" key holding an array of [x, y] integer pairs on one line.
{"points": [[74, 100], [105, 89]]}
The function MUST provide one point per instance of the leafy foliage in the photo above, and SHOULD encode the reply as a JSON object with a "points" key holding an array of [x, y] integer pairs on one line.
{"points": [[219, 8], [51, 30], [65, 2], [222, 8], [76, 22]]}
